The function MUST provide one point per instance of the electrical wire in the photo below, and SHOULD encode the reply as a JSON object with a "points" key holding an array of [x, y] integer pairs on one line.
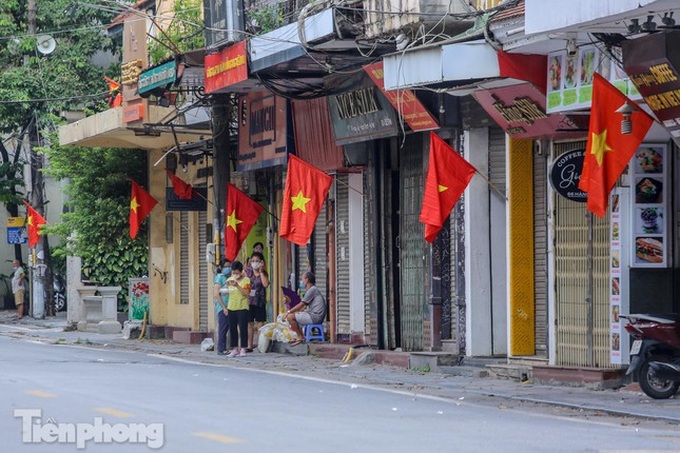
{"points": [[71, 98]]}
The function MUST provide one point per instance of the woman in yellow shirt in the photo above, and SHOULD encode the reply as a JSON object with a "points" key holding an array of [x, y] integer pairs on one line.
{"points": [[239, 309]]}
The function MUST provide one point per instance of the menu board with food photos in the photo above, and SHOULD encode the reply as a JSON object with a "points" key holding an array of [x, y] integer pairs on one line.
{"points": [[570, 78], [618, 298], [649, 178]]}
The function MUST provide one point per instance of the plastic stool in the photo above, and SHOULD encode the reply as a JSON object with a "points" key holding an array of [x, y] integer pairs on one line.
{"points": [[310, 336]]}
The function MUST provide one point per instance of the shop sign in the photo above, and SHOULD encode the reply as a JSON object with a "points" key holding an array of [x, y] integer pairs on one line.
{"points": [[361, 112], [16, 230], [520, 111], [226, 68], [565, 175], [199, 202], [570, 78], [133, 112], [263, 131], [653, 63], [404, 101], [159, 76]]}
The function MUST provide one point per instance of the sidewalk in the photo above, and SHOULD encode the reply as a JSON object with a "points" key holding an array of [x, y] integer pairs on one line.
{"points": [[628, 401]]}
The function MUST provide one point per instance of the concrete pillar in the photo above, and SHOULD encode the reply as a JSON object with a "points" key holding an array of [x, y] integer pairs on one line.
{"points": [[478, 316], [109, 322], [73, 302]]}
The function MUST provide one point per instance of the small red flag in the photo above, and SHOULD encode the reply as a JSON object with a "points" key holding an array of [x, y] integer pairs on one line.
{"points": [[448, 174], [35, 221], [242, 213], [608, 151], [115, 98], [182, 189], [303, 196], [141, 204]]}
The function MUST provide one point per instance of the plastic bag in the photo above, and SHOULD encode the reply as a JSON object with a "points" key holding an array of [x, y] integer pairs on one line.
{"points": [[275, 331]]}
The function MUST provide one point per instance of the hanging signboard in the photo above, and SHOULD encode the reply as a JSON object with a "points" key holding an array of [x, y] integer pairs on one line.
{"points": [[156, 77], [404, 102], [570, 78], [653, 64], [566, 174]]}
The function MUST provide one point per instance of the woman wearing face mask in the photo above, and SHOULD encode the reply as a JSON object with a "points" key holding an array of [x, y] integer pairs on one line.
{"points": [[259, 281], [221, 304], [239, 290]]}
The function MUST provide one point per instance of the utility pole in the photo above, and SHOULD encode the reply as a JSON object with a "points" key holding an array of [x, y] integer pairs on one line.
{"points": [[40, 260]]}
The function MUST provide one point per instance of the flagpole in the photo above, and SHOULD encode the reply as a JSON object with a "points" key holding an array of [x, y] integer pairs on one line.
{"points": [[589, 292], [495, 189], [348, 186]]}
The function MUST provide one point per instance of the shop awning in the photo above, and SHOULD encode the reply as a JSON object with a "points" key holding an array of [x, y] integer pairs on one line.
{"points": [[108, 129], [461, 64]]}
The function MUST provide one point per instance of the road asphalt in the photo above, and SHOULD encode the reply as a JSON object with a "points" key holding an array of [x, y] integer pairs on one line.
{"points": [[627, 402]]}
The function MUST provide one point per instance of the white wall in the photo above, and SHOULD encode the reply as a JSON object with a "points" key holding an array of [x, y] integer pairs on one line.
{"points": [[356, 254], [553, 15]]}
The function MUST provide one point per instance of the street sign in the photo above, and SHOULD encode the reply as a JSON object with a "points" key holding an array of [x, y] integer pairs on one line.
{"points": [[16, 235], [16, 230]]}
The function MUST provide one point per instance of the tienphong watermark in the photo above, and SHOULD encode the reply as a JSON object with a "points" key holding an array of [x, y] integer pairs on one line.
{"points": [[35, 431]]}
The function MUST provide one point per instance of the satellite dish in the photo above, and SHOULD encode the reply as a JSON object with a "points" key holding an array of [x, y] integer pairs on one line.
{"points": [[46, 44]]}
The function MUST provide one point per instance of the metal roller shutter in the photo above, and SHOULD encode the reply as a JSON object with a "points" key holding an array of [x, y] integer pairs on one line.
{"points": [[183, 258], [413, 278], [203, 289], [540, 172], [571, 238], [342, 255], [320, 264]]}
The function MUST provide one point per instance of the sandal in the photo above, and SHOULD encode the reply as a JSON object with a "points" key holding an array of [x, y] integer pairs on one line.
{"points": [[297, 342]]}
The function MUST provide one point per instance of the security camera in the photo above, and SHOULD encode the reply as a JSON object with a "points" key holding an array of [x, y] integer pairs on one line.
{"points": [[571, 47]]}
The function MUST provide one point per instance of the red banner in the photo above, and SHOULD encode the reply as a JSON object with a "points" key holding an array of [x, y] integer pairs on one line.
{"points": [[226, 68], [404, 101]]}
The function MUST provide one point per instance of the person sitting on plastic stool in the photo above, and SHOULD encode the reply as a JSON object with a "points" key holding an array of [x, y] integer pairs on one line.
{"points": [[312, 310]]}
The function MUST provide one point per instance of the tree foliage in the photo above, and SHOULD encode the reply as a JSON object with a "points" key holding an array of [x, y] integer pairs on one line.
{"points": [[183, 33], [35, 84], [96, 223]]}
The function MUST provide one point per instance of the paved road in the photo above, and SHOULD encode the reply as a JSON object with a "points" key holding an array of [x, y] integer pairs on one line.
{"points": [[222, 407]]}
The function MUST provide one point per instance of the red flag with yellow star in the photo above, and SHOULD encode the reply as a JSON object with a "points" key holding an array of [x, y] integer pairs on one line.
{"points": [[448, 174], [242, 213], [303, 196], [608, 150], [141, 204], [35, 222]]}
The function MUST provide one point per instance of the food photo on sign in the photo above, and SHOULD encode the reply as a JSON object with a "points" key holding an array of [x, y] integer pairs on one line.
{"points": [[616, 260], [649, 220], [649, 160], [648, 190], [648, 250]]}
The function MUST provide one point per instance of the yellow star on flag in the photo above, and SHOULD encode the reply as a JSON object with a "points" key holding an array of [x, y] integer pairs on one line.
{"points": [[600, 146], [232, 221], [300, 202], [133, 204], [441, 188], [30, 220]]}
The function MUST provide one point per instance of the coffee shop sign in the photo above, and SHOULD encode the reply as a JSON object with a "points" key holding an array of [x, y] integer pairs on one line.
{"points": [[566, 174]]}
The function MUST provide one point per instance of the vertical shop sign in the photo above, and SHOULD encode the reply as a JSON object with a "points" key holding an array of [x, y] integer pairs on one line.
{"points": [[650, 206], [615, 284]]}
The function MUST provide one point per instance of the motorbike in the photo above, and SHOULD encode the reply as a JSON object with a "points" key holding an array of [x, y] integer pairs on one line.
{"points": [[59, 286], [655, 353]]}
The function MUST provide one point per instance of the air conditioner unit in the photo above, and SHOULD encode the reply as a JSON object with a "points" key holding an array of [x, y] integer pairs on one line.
{"points": [[224, 22]]}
